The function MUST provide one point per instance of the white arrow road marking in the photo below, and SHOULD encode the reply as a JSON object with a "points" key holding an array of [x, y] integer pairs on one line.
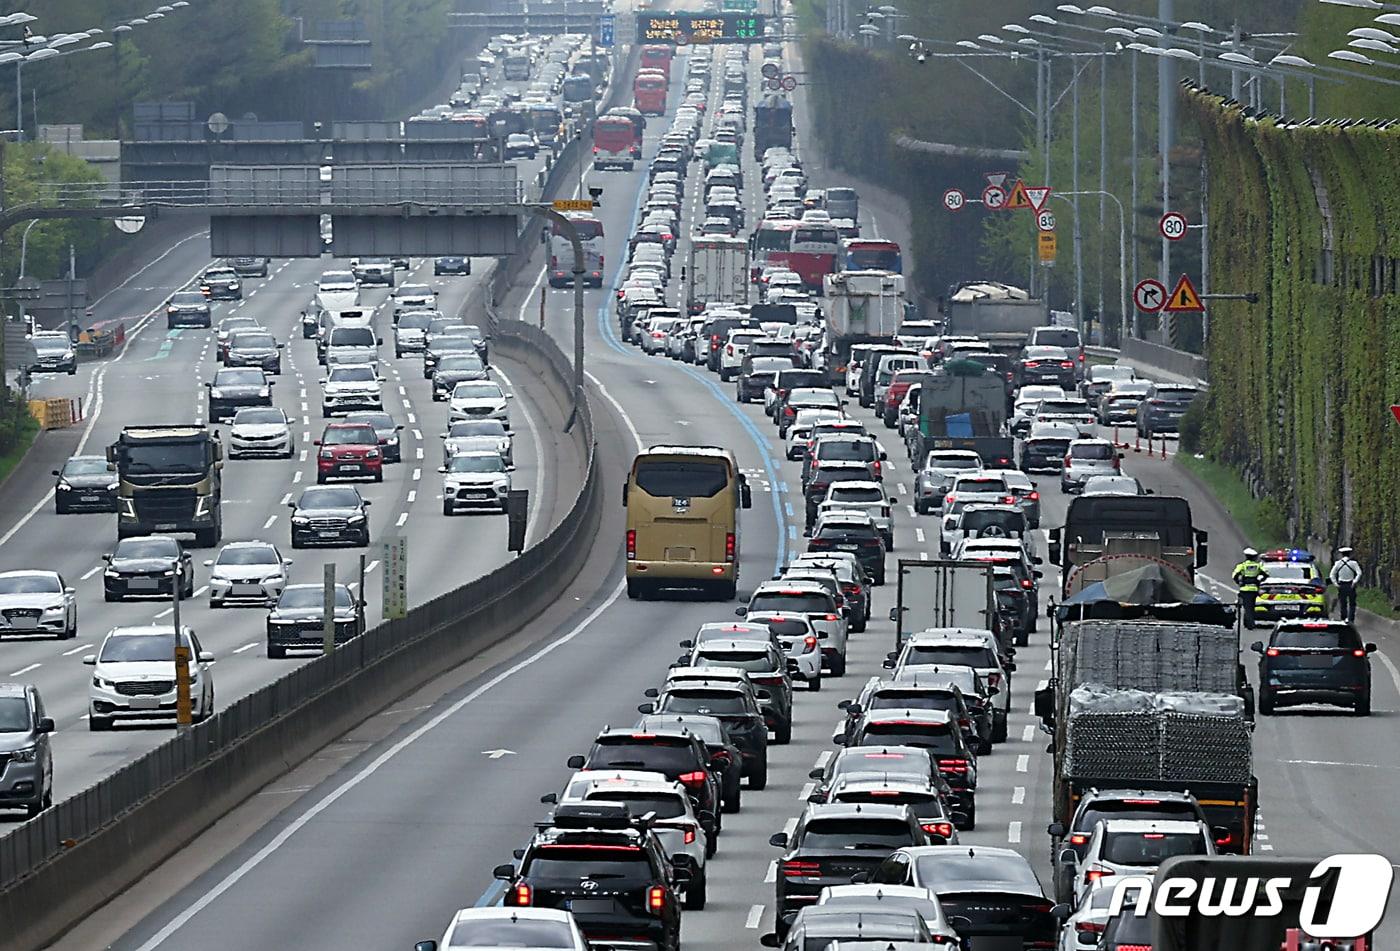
{"points": [[497, 754]]}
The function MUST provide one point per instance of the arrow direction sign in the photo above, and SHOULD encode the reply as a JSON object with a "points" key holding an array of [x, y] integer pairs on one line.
{"points": [[994, 197], [497, 754], [1184, 298], [1018, 200], [1037, 196], [1149, 295]]}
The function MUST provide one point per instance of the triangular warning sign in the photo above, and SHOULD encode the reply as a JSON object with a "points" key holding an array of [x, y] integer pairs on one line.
{"points": [[1184, 298], [1018, 198], [1037, 196]]}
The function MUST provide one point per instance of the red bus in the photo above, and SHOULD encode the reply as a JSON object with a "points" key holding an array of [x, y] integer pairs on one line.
{"points": [[871, 254], [657, 57], [615, 143], [809, 248], [649, 92]]}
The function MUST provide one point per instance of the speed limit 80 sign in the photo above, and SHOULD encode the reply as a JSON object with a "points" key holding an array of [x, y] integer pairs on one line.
{"points": [[1172, 226], [954, 199]]}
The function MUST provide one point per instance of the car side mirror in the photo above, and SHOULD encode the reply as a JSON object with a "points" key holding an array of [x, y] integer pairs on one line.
{"points": [[504, 872], [778, 840], [770, 940], [208, 562], [887, 664], [1056, 830], [379, 341], [107, 557], [549, 798], [575, 762], [90, 659], [651, 692], [55, 472], [1257, 647], [646, 708], [1061, 912], [206, 657], [1371, 647], [1149, 491], [46, 725], [687, 644], [425, 946], [860, 878]]}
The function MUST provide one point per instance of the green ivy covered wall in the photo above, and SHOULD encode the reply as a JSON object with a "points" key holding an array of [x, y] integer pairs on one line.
{"points": [[1308, 216]]}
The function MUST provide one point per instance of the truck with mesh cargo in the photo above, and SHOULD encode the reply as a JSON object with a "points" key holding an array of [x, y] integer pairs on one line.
{"points": [[170, 481], [963, 407], [1151, 697]]}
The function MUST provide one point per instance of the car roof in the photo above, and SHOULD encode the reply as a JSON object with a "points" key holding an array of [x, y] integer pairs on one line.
{"points": [[1133, 826], [853, 810], [29, 573], [887, 714], [738, 644], [14, 690], [503, 913], [950, 635]]}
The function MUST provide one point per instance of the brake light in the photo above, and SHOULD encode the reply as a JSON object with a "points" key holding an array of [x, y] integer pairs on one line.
{"points": [[656, 898], [1067, 462], [693, 780], [1032, 363], [830, 617], [1034, 496], [1081, 357], [795, 869], [1225, 839], [657, 335], [1154, 835], [994, 679], [877, 467], [689, 834], [952, 765], [631, 544], [1272, 652], [714, 339], [729, 545], [1358, 653], [521, 895], [1093, 875], [1067, 364], [855, 590], [1079, 838], [1089, 927], [789, 411], [945, 829], [729, 349], [1008, 500], [810, 643], [553, 262], [1025, 582]]}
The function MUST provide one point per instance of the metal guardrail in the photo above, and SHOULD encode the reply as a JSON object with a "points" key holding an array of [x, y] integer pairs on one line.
{"points": [[288, 194], [1147, 356]]}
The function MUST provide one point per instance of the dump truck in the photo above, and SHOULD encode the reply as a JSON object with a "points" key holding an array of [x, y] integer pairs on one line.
{"points": [[998, 313], [942, 594], [1104, 534], [718, 272], [860, 307], [963, 407], [170, 481]]}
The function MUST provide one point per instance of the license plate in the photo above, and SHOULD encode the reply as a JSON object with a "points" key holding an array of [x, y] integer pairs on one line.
{"points": [[847, 547], [145, 703], [348, 468], [313, 635], [165, 526], [246, 587], [585, 906], [328, 534], [143, 584], [24, 623], [87, 498]]}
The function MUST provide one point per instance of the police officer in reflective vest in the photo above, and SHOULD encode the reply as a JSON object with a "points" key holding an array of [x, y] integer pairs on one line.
{"points": [[1346, 572], [1247, 576]]}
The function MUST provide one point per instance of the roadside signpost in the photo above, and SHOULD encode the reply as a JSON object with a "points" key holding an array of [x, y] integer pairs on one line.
{"points": [[1184, 298], [1018, 199], [994, 197], [1046, 247], [954, 199], [1149, 295], [1045, 220], [1172, 226]]}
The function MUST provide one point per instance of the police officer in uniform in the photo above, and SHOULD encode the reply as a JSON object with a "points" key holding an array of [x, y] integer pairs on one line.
{"points": [[1346, 573], [1247, 576]]}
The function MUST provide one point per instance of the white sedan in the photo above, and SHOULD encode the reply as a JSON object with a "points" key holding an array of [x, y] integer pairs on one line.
{"points": [[37, 602], [479, 399]]}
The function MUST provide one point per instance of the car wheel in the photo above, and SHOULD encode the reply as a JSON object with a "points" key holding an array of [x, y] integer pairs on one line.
{"points": [[695, 892], [999, 726], [921, 507], [276, 652], [782, 734], [379, 476], [1363, 705], [296, 542], [446, 508], [1266, 703], [732, 800], [838, 665], [971, 817], [815, 683], [110, 596], [99, 724], [759, 779], [1022, 638]]}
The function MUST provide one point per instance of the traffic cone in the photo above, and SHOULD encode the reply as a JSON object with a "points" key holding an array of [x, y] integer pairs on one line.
{"points": [[1137, 444]]}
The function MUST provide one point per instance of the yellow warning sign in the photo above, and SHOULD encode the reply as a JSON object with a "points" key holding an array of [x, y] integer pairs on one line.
{"points": [[1018, 198], [1184, 298], [573, 204], [1046, 246]]}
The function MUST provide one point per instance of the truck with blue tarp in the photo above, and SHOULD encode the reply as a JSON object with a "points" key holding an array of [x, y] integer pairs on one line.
{"points": [[963, 406]]}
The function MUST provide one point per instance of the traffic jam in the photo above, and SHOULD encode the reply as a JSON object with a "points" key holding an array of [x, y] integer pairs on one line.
{"points": [[1002, 442]]}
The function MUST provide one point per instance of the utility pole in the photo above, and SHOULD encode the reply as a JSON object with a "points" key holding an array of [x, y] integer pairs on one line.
{"points": [[1074, 187], [1166, 114], [1133, 193], [1103, 175]]}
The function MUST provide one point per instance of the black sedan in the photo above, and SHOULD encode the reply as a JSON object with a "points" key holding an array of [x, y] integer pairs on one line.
{"points": [[188, 309], [330, 515], [85, 484], [145, 566], [233, 389], [297, 620], [452, 264]]}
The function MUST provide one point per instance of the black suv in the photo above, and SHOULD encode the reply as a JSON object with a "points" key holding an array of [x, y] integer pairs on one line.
{"points": [[607, 869], [860, 536], [732, 704], [235, 388], [1314, 662], [834, 841], [675, 753], [935, 731], [726, 762]]}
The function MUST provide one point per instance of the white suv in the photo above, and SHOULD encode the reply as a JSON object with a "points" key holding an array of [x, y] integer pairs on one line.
{"points": [[134, 676], [962, 647], [731, 354], [1120, 847], [1089, 457]]}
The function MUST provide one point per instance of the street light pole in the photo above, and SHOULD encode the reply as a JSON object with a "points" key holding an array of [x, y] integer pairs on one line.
{"points": [[1133, 157], [1166, 115], [1074, 185], [571, 232], [1122, 252]]}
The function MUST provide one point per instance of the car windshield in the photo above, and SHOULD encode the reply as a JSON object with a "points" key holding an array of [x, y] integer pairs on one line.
{"points": [[15, 716], [231, 324], [414, 322], [461, 361], [139, 647], [956, 655], [798, 602], [1321, 637], [1055, 337], [616, 866], [840, 493], [360, 374], [938, 737], [681, 479], [30, 584], [220, 275], [484, 427], [856, 450], [349, 436], [668, 755], [946, 870], [188, 298], [511, 932], [255, 340], [416, 290], [337, 280], [477, 391], [312, 596], [710, 702], [147, 548], [239, 378], [866, 833], [1092, 451], [352, 337], [752, 661], [93, 465], [912, 698], [249, 555], [491, 463], [377, 420], [1151, 848], [258, 416], [662, 805], [329, 498]]}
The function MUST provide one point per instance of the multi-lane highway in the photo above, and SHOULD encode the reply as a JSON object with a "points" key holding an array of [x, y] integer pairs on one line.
{"points": [[158, 377], [379, 843]]}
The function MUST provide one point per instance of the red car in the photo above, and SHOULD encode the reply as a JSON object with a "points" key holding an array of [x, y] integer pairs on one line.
{"points": [[349, 450]]}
